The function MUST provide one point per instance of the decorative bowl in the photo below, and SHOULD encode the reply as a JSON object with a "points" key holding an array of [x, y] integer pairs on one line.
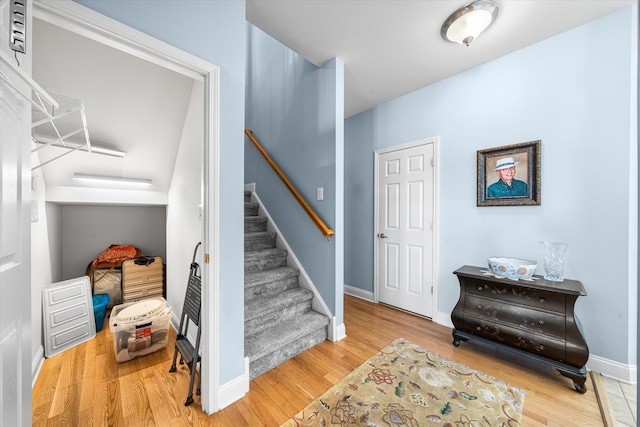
{"points": [[512, 268]]}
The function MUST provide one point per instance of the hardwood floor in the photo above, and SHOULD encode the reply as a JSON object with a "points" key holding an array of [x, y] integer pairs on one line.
{"points": [[84, 386]]}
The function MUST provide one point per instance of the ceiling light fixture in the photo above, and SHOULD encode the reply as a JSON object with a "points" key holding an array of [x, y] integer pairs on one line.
{"points": [[467, 23], [111, 179]]}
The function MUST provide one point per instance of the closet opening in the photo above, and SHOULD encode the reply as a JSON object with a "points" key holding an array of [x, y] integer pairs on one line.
{"points": [[157, 107]]}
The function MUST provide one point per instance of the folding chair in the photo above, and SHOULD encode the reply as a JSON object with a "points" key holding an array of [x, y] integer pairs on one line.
{"points": [[190, 313]]}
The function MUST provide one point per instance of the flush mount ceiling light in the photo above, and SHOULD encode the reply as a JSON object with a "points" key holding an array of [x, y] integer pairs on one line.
{"points": [[467, 23], [111, 179]]}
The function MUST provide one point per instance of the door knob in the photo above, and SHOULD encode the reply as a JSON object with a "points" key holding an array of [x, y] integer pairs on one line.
{"points": [[382, 235]]}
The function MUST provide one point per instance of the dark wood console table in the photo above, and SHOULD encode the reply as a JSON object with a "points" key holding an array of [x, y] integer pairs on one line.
{"points": [[532, 318]]}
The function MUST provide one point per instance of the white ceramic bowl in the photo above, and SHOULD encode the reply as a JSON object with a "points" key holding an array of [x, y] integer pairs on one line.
{"points": [[512, 268]]}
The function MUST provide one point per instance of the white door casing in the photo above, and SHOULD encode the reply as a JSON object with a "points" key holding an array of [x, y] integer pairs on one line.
{"points": [[405, 234], [15, 237]]}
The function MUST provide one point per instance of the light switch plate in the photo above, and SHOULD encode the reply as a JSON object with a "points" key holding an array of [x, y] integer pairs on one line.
{"points": [[320, 193]]}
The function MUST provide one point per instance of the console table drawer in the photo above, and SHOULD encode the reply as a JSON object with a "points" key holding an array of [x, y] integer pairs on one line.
{"points": [[518, 295], [530, 319], [528, 341]]}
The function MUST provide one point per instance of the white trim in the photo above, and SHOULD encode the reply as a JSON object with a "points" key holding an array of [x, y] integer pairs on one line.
{"points": [[444, 318], [250, 187], [36, 365], [235, 389], [612, 369], [339, 331], [358, 293], [96, 26], [84, 21], [435, 140], [304, 281], [211, 245]]}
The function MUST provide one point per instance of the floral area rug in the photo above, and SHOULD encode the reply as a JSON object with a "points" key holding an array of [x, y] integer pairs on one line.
{"points": [[407, 385]]}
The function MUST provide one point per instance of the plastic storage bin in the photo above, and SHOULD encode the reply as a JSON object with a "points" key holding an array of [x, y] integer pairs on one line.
{"points": [[100, 302], [139, 328]]}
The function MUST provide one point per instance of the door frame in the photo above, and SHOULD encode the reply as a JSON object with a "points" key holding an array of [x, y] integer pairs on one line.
{"points": [[79, 19], [435, 140]]}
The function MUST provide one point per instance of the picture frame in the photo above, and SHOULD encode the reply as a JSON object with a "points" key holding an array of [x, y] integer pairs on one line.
{"points": [[509, 175]]}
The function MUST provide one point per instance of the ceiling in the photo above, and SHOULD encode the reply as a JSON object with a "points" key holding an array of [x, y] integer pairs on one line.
{"points": [[393, 47], [130, 105], [389, 48]]}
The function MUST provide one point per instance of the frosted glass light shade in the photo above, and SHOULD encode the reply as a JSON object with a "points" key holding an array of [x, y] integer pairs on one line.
{"points": [[467, 23]]}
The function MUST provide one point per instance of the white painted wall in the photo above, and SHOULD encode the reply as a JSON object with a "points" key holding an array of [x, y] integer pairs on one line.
{"points": [[577, 92], [184, 225], [46, 258]]}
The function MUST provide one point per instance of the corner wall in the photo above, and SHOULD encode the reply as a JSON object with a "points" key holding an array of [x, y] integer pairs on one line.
{"points": [[295, 110], [184, 222], [574, 92]]}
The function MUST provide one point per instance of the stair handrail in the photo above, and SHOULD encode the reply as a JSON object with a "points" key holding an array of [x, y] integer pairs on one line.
{"points": [[324, 229]]}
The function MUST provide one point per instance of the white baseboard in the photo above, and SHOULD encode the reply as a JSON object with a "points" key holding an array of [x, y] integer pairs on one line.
{"points": [[250, 187], [358, 293], [338, 332], [36, 365], [612, 369], [235, 389], [443, 318]]}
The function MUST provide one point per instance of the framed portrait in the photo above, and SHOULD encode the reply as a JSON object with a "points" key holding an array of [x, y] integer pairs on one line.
{"points": [[509, 175]]}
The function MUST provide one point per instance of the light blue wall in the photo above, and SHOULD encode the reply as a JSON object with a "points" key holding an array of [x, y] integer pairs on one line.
{"points": [[216, 32], [577, 93], [295, 110]]}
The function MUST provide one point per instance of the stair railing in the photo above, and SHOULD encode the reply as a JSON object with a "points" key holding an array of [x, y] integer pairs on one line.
{"points": [[326, 231]]}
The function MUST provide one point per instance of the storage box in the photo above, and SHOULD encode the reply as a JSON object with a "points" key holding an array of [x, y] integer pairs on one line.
{"points": [[100, 302], [108, 281], [139, 328]]}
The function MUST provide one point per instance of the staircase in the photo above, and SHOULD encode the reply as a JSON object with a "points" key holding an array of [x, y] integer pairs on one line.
{"points": [[278, 320]]}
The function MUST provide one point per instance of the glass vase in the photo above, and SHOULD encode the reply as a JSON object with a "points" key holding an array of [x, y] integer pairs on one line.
{"points": [[553, 260]]}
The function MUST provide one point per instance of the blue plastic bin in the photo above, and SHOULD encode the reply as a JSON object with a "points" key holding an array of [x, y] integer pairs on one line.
{"points": [[100, 302]]}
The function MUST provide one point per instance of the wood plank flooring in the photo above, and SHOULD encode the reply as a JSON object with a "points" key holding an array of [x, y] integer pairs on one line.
{"points": [[85, 386]]}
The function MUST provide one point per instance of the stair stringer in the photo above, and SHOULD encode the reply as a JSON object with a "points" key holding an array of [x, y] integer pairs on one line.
{"points": [[335, 332]]}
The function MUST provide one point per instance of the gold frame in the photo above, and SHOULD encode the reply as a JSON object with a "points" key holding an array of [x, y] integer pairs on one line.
{"points": [[528, 155]]}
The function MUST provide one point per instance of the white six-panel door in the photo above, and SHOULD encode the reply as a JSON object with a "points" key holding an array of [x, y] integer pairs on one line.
{"points": [[15, 284], [405, 227]]}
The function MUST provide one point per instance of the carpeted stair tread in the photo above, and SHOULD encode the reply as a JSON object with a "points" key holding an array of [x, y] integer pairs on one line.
{"points": [[265, 253], [281, 355], [250, 209], [259, 235], [266, 283], [255, 223], [265, 259], [259, 307], [259, 240], [283, 334], [260, 278]]}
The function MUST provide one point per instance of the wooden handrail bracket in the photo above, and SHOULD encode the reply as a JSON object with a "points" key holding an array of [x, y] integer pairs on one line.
{"points": [[326, 231]]}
